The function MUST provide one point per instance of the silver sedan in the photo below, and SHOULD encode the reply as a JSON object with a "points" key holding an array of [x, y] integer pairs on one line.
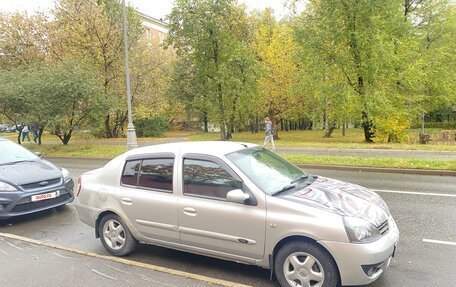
{"points": [[240, 202]]}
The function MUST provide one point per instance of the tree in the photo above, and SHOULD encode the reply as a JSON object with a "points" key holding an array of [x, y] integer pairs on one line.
{"points": [[435, 31], [355, 40], [276, 49], [21, 39], [214, 37], [66, 101], [92, 30]]}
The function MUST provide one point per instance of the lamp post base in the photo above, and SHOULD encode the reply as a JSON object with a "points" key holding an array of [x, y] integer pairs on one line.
{"points": [[131, 137]]}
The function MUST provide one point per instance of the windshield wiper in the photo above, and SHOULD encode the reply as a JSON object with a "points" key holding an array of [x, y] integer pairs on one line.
{"points": [[14, 162], [302, 177], [285, 188]]}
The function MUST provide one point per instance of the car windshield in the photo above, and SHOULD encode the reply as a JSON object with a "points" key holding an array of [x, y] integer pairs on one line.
{"points": [[268, 171], [11, 153]]}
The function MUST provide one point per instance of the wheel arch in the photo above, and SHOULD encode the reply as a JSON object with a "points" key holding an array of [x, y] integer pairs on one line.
{"points": [[297, 238], [97, 222]]}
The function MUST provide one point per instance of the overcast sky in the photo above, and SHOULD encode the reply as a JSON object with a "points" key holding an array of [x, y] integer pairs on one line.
{"points": [[155, 8]]}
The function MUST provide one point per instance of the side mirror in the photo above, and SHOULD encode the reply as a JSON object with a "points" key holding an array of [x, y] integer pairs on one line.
{"points": [[37, 153], [237, 195]]}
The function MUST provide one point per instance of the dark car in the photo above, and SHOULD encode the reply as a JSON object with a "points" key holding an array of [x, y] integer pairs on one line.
{"points": [[28, 183]]}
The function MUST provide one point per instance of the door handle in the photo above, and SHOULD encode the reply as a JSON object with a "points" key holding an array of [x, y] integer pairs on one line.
{"points": [[190, 211], [126, 200]]}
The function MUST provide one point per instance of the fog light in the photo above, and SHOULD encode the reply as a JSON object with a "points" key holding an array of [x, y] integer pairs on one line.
{"points": [[1, 207]]}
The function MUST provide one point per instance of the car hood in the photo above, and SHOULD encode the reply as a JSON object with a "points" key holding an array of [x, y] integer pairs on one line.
{"points": [[344, 198], [29, 172]]}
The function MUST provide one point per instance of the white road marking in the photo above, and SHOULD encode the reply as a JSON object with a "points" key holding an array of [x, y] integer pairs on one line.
{"points": [[118, 270], [15, 246], [191, 276], [104, 275], [62, 256], [439, 242], [415, 193], [4, 252]]}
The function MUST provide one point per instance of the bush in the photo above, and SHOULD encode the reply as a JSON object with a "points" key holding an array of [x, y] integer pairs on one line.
{"points": [[391, 129], [425, 138], [151, 127]]}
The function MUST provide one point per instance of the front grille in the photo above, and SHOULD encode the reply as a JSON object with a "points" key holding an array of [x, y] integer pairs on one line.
{"points": [[35, 185], [384, 227], [40, 204]]}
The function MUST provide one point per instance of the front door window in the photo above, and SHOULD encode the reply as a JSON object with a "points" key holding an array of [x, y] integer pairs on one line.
{"points": [[207, 179]]}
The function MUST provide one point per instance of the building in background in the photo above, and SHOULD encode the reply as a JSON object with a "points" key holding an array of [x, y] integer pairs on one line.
{"points": [[156, 29]]}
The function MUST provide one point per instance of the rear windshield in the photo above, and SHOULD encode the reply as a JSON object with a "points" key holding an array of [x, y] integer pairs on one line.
{"points": [[11, 152]]}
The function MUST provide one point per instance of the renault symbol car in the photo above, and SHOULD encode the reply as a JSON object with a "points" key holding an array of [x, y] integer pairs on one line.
{"points": [[240, 202]]}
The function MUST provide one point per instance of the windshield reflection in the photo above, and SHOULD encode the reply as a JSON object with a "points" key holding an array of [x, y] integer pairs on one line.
{"points": [[11, 153], [268, 171]]}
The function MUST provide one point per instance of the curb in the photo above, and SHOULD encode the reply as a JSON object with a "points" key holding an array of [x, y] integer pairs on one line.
{"points": [[381, 169], [202, 278], [316, 166]]}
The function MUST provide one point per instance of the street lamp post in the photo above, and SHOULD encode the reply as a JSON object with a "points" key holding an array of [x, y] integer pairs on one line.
{"points": [[131, 133]]}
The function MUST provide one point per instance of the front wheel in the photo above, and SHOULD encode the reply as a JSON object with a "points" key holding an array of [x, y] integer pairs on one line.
{"points": [[304, 264], [115, 236]]}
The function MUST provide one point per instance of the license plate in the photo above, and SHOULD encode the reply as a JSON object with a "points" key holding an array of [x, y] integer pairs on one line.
{"points": [[45, 196]]}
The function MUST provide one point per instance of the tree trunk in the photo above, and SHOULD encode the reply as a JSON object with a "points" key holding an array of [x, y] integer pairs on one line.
{"points": [[205, 120], [330, 129], [367, 127], [422, 122], [107, 127], [40, 134], [343, 127]]}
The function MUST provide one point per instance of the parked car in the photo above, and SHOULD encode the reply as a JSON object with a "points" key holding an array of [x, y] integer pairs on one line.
{"points": [[29, 183], [243, 203], [8, 128]]}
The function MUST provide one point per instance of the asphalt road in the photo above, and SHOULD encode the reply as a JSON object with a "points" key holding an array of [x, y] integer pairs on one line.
{"points": [[424, 208]]}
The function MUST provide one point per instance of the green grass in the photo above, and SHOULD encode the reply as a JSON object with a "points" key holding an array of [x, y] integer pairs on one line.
{"points": [[408, 163], [102, 151], [353, 140], [85, 145]]}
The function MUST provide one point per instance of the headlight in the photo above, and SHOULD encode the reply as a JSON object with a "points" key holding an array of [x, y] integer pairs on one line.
{"points": [[6, 187], [66, 174], [360, 231]]}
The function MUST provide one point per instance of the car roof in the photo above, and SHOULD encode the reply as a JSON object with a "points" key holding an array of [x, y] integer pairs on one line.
{"points": [[216, 148]]}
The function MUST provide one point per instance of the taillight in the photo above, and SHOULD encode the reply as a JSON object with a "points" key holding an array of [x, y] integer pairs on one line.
{"points": [[79, 186]]}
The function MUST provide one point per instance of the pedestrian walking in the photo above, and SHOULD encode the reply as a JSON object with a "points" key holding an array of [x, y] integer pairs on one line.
{"points": [[35, 131], [269, 130], [25, 133]]}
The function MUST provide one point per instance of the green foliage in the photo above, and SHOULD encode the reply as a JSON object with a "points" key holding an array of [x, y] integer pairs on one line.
{"points": [[59, 97], [392, 129], [151, 127], [213, 38]]}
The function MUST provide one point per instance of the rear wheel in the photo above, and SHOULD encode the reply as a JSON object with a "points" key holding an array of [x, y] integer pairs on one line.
{"points": [[304, 264], [115, 236]]}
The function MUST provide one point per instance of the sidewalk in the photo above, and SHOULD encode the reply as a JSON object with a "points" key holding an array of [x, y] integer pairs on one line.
{"points": [[27, 262]]}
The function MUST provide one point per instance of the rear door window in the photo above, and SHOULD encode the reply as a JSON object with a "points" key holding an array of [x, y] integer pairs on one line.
{"points": [[157, 174], [131, 172]]}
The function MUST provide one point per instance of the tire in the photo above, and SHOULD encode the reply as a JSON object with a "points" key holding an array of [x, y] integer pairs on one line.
{"points": [[115, 236], [305, 264]]}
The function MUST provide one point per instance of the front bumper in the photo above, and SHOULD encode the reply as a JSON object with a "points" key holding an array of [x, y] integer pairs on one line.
{"points": [[361, 264], [19, 202]]}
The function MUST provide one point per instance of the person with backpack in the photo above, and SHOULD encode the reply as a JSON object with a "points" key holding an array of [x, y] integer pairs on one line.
{"points": [[270, 131]]}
